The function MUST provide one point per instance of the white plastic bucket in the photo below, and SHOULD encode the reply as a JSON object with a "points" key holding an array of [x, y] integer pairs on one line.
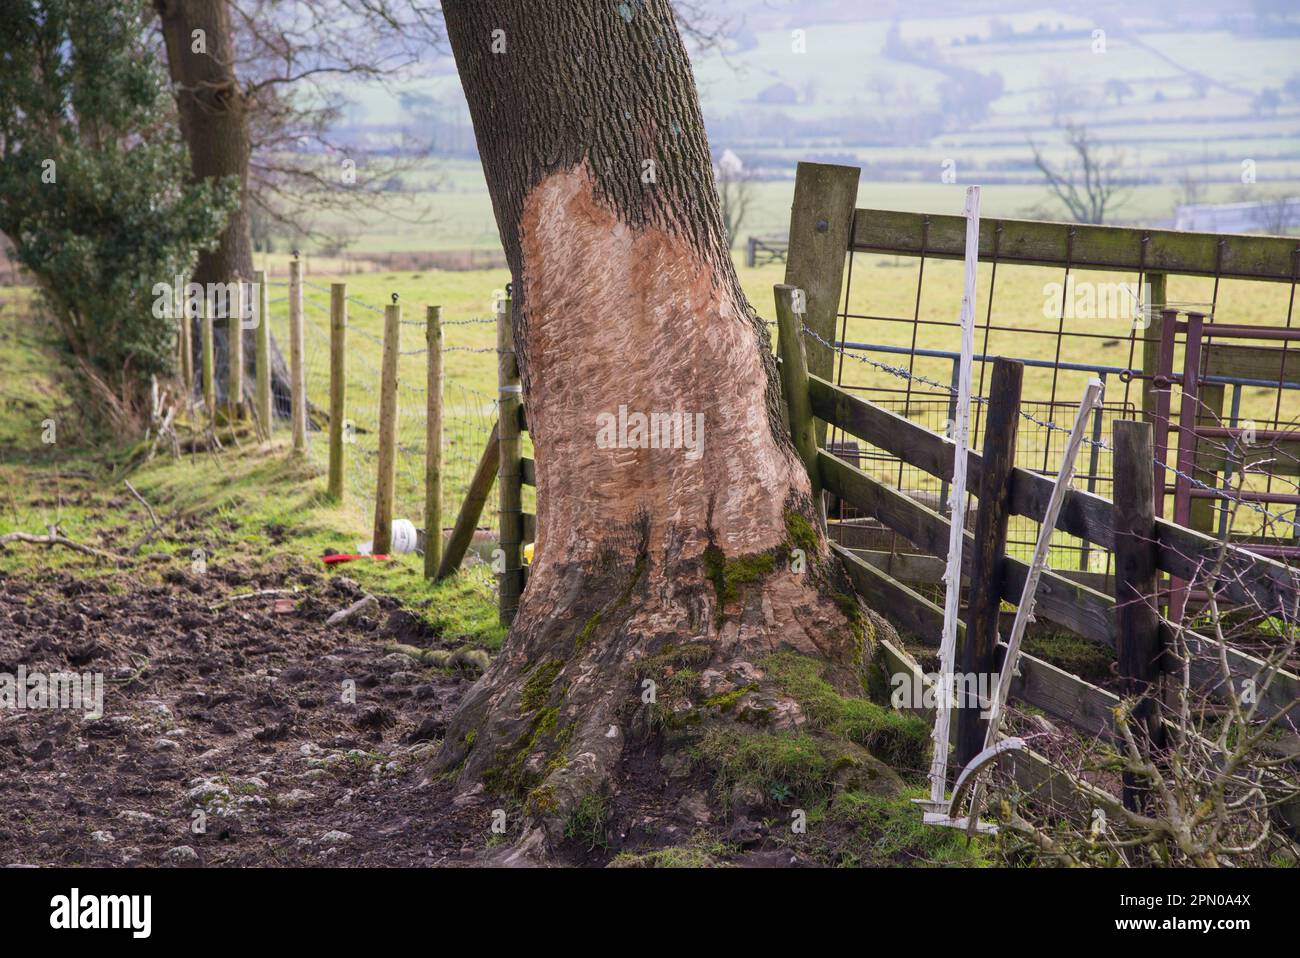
{"points": [[403, 536]]}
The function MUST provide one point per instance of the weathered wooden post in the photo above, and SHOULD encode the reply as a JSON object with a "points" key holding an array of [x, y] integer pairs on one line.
{"points": [[209, 360], [1139, 641], [821, 224], [979, 653], [338, 385], [1157, 295], [1203, 514], [509, 481], [387, 479], [262, 341], [462, 532], [297, 359], [790, 303], [184, 344], [235, 350], [433, 445]]}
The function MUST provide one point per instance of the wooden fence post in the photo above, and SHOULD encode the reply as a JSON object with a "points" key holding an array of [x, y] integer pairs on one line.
{"points": [[1157, 284], [297, 359], [794, 380], [184, 344], [979, 653], [821, 224], [433, 445], [1204, 513], [509, 481], [338, 385], [235, 350], [262, 346], [387, 479], [209, 361], [462, 533], [1138, 640]]}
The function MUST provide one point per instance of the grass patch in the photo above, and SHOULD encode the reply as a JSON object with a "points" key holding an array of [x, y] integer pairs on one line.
{"points": [[867, 830], [586, 823], [1089, 660], [785, 766], [701, 851], [901, 740]]}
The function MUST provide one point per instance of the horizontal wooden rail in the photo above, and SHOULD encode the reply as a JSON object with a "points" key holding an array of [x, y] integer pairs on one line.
{"points": [[528, 472], [1122, 249], [1040, 684], [1080, 609], [1184, 553]]}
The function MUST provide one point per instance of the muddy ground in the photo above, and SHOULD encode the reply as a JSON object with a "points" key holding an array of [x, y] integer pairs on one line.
{"points": [[227, 738], [236, 715]]}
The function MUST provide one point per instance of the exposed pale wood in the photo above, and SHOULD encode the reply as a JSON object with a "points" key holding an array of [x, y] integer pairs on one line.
{"points": [[386, 477], [509, 486], [297, 359], [433, 444], [262, 354], [338, 386], [1093, 247], [979, 651], [462, 533]]}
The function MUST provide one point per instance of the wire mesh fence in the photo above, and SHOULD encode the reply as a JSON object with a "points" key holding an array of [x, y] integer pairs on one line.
{"points": [[898, 338], [469, 406]]}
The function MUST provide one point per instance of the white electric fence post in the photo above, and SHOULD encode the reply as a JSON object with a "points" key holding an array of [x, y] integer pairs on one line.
{"points": [[1029, 595], [957, 504]]}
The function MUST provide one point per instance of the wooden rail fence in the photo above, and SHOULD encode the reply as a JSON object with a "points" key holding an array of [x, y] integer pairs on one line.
{"points": [[1126, 621]]}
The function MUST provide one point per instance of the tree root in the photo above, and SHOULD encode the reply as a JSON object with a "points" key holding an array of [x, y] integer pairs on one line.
{"points": [[54, 539]]}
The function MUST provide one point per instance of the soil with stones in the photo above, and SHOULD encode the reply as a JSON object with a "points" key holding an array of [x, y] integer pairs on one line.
{"points": [[244, 731], [245, 734]]}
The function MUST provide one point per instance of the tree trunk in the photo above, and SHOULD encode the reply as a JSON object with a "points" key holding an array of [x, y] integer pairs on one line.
{"points": [[214, 123], [647, 560]]}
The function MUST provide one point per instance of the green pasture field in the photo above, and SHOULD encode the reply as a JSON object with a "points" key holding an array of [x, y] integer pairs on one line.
{"points": [[463, 221], [1024, 324]]}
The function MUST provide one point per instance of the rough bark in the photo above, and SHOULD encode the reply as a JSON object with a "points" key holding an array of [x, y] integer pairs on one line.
{"points": [[214, 119], [647, 561]]}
